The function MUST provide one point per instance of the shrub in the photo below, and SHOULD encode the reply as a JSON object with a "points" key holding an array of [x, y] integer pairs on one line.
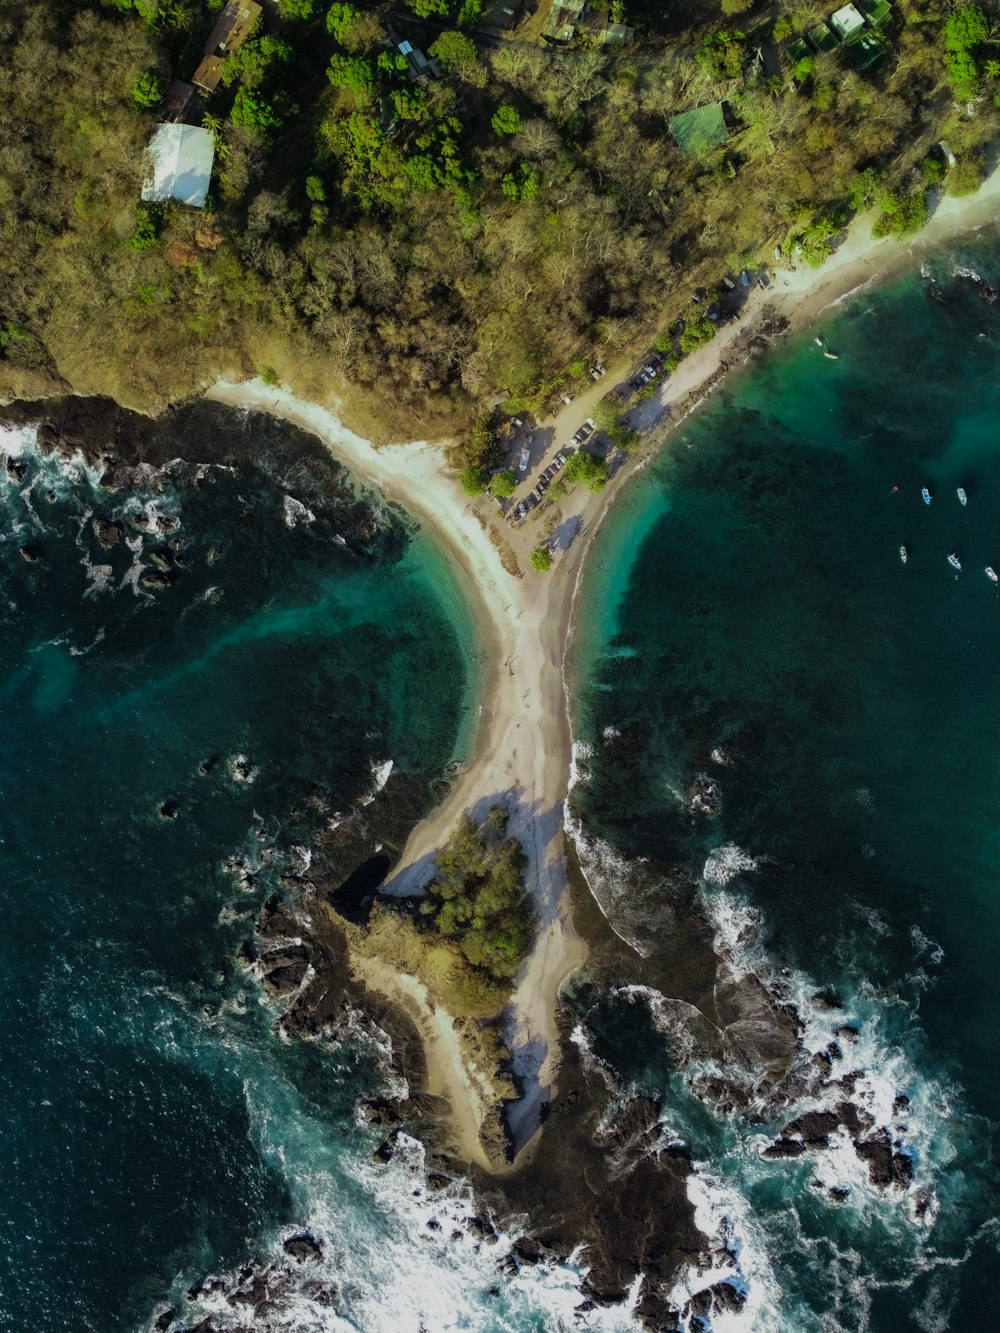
{"points": [[147, 229], [147, 91], [696, 335], [541, 559]]}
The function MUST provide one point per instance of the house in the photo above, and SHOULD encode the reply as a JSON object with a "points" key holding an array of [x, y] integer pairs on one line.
{"points": [[418, 62], [175, 100], [847, 23], [179, 165], [233, 27], [704, 127], [208, 74], [563, 18]]}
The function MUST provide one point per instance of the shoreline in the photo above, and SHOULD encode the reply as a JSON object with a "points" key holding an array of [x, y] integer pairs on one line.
{"points": [[522, 750]]}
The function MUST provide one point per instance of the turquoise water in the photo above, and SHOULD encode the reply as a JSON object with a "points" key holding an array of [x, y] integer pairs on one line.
{"points": [[749, 595], [154, 1129]]}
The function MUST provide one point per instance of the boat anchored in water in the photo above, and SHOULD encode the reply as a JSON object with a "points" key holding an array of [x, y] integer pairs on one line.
{"points": [[926, 494], [963, 499], [991, 574], [954, 561], [904, 554]]}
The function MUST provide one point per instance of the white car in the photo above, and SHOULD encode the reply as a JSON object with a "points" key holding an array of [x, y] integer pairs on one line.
{"points": [[524, 460]]}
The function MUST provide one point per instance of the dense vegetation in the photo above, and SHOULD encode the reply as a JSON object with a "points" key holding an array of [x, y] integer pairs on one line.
{"points": [[477, 901], [439, 243]]}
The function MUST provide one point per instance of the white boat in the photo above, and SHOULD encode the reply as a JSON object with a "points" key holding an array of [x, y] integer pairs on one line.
{"points": [[991, 574], [926, 495], [963, 499], [954, 561], [904, 554]]}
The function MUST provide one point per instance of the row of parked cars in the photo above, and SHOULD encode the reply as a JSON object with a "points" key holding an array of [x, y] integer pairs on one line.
{"points": [[529, 502], [648, 372]]}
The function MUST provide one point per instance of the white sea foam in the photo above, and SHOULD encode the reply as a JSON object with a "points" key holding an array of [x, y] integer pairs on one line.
{"points": [[295, 512], [736, 1253], [726, 862]]}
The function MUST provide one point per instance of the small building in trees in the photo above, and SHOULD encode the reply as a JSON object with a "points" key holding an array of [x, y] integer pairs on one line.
{"points": [[847, 22], [698, 130], [233, 26], [179, 165], [176, 99]]}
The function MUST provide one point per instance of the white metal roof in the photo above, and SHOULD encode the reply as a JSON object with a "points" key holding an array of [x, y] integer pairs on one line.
{"points": [[179, 164], [846, 21]]}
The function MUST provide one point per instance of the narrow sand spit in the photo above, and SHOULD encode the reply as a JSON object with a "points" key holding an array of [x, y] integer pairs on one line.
{"points": [[523, 746], [522, 749]]}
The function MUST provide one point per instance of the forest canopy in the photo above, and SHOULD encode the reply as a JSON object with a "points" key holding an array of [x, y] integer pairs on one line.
{"points": [[433, 239]]}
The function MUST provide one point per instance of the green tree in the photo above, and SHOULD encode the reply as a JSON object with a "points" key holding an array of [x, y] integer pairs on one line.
{"points": [[507, 120], [299, 10], [426, 9], [504, 484], [587, 468], [541, 559], [521, 185], [253, 112], [474, 479], [353, 74], [736, 6], [967, 176], [458, 55], [315, 190], [147, 91], [965, 28], [340, 19], [782, 28]]}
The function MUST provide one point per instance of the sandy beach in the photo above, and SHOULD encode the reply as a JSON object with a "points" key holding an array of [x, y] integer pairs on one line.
{"points": [[523, 745]]}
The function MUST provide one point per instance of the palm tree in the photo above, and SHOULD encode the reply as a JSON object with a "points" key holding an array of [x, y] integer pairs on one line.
{"points": [[992, 69], [210, 122]]}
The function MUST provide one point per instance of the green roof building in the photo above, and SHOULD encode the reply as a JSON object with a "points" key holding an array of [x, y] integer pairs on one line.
{"points": [[701, 129]]}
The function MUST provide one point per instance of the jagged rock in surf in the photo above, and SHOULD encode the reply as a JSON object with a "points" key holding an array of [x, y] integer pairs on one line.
{"points": [[303, 1246], [108, 532]]}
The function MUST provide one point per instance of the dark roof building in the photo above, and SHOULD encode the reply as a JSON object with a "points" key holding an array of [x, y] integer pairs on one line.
{"points": [[233, 27]]}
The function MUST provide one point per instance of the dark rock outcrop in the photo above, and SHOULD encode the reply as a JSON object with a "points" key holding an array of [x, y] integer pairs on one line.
{"points": [[303, 1246]]}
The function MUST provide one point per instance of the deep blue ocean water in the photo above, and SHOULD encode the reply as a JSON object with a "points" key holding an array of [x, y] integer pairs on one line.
{"points": [[748, 594], [153, 1128]]}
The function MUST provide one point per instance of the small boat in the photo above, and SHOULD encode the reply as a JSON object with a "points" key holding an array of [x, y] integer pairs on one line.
{"points": [[830, 356], [818, 341], [991, 574], [904, 554], [926, 494], [954, 561], [963, 499]]}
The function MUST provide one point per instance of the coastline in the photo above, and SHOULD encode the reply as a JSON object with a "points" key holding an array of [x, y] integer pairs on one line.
{"points": [[523, 744]]}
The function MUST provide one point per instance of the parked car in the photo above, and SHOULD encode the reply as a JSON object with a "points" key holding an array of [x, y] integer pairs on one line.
{"points": [[524, 460], [543, 484], [745, 278], [651, 371], [762, 277], [559, 461], [729, 285]]}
